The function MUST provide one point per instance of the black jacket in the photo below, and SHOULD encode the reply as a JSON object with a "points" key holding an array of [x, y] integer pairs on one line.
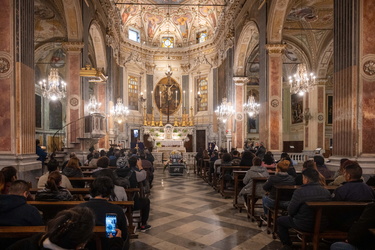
{"points": [[278, 179], [354, 191], [303, 215], [14, 211]]}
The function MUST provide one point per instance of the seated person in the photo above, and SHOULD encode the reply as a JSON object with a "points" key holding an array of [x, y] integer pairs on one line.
{"points": [[247, 158], [359, 236], [353, 189], [119, 192], [100, 190], [281, 178], [10, 175], [310, 164], [73, 169], [340, 171], [65, 183], [71, 155], [255, 171], [147, 165], [300, 215], [236, 159], [135, 173], [53, 190], [94, 160], [291, 170], [322, 168], [69, 229], [14, 211], [268, 161]]}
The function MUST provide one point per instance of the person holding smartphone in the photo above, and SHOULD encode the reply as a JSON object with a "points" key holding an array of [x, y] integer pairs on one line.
{"points": [[100, 190]]}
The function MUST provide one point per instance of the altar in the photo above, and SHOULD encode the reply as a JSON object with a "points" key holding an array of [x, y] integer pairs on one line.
{"points": [[168, 138]]}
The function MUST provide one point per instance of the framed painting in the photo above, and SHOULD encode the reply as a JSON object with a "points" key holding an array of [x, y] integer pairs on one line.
{"points": [[329, 111], [296, 108]]}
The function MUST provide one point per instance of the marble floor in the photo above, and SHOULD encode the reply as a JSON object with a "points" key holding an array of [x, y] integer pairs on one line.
{"points": [[186, 213]]}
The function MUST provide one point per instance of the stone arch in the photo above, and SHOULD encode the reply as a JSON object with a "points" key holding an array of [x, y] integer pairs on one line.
{"points": [[73, 17], [248, 40], [99, 45], [324, 60], [277, 16]]}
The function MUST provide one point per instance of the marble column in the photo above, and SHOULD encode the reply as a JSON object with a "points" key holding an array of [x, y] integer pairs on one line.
{"points": [[240, 95], [75, 104], [271, 132], [17, 89], [314, 118]]}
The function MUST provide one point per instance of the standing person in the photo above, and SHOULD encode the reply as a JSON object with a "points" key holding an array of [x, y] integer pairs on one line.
{"points": [[300, 215], [42, 155], [53, 190], [101, 190]]}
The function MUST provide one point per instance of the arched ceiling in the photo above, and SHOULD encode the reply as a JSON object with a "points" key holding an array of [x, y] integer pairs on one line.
{"points": [[181, 19]]}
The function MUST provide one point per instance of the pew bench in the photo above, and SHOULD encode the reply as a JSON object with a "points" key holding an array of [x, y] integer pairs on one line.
{"points": [[51, 208], [319, 208]]}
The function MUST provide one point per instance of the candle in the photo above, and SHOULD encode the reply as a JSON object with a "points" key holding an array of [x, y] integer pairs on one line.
{"points": [[176, 98], [160, 98], [152, 98]]}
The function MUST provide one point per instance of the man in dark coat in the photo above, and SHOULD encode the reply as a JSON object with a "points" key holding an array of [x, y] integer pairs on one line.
{"points": [[300, 215], [14, 211]]}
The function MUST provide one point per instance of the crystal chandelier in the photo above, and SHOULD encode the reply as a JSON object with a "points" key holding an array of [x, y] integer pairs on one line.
{"points": [[53, 89], [224, 111], [251, 107], [93, 106], [301, 82], [119, 111]]}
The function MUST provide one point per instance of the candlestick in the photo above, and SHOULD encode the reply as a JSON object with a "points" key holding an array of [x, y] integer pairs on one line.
{"points": [[160, 98], [152, 97], [176, 98], [184, 100]]}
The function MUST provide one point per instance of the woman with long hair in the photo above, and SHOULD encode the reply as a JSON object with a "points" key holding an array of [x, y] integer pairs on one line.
{"points": [[53, 191], [72, 169]]}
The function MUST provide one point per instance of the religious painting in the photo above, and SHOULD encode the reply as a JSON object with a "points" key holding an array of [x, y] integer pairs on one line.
{"points": [[133, 92], [305, 13], [167, 96], [152, 22], [209, 11], [58, 59], [182, 22], [129, 10], [296, 108], [329, 111]]}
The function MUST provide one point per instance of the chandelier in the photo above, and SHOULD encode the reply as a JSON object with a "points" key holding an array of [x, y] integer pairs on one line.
{"points": [[224, 111], [93, 106], [251, 107], [119, 111], [55, 88], [301, 82]]}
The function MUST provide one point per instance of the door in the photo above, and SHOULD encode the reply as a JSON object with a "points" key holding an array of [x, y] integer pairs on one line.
{"points": [[201, 139]]}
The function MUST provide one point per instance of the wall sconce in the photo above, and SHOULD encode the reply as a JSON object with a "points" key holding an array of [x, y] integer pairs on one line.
{"points": [[141, 98], [307, 116]]}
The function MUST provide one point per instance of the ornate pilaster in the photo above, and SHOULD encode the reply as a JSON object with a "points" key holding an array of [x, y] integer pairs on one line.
{"points": [[239, 135], [270, 131], [75, 104]]}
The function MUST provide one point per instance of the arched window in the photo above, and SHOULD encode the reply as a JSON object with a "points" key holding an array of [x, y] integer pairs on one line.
{"points": [[55, 115]]}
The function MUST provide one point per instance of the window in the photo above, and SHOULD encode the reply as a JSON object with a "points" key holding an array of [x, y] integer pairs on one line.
{"points": [[134, 35], [133, 92], [201, 36], [167, 42], [202, 94]]}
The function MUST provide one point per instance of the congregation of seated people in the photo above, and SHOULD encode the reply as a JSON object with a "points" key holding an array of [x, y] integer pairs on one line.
{"points": [[311, 185], [54, 185]]}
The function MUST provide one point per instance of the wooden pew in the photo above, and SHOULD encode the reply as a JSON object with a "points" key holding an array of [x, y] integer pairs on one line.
{"points": [[51, 208], [20, 232], [252, 199], [238, 177], [223, 168], [328, 234]]}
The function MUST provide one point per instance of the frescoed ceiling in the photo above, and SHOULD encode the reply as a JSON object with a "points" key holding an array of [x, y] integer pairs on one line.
{"points": [[181, 19]]}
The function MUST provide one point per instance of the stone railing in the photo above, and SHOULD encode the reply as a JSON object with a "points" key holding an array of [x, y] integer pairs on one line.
{"points": [[298, 157]]}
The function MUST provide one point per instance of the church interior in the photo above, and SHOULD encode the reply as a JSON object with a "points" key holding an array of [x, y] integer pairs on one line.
{"points": [[179, 75]]}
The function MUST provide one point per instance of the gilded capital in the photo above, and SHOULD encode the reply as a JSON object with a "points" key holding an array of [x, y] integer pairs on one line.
{"points": [[240, 80], [73, 46], [275, 48]]}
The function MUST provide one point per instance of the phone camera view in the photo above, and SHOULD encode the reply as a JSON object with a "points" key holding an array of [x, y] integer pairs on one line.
{"points": [[110, 224]]}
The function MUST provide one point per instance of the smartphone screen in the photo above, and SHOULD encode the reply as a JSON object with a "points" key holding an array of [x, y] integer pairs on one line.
{"points": [[110, 224]]}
